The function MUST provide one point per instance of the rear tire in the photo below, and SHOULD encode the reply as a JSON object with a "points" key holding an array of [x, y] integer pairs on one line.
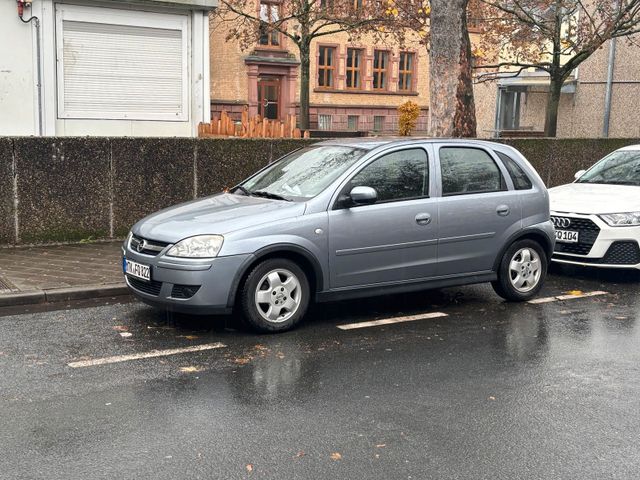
{"points": [[522, 271], [275, 296]]}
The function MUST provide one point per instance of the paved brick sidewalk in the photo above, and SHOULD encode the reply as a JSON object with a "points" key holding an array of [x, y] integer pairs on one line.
{"points": [[95, 267]]}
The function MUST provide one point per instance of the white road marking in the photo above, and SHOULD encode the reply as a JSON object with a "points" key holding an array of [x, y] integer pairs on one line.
{"points": [[388, 321], [567, 297], [151, 354]]}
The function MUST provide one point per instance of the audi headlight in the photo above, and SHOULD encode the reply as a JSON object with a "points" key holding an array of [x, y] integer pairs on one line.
{"points": [[201, 246], [631, 219]]}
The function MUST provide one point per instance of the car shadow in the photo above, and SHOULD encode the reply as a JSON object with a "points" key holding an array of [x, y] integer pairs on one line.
{"points": [[608, 275]]}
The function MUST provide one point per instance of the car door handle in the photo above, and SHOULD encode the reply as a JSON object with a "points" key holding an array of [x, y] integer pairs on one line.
{"points": [[503, 210], [423, 219]]}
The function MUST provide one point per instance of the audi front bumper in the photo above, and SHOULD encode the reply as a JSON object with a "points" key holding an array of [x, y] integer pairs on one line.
{"points": [[599, 244]]}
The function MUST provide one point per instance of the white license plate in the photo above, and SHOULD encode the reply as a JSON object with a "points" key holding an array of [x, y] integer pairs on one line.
{"points": [[567, 236], [137, 270]]}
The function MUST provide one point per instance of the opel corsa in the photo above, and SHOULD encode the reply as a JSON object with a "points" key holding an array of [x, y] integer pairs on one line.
{"points": [[348, 219]]}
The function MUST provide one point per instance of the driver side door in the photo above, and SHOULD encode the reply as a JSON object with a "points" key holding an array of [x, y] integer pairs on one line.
{"points": [[393, 239]]}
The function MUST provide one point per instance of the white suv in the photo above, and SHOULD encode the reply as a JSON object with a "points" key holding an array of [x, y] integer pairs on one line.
{"points": [[597, 218]]}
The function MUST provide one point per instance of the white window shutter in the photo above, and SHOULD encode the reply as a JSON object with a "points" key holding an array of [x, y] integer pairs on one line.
{"points": [[113, 68]]}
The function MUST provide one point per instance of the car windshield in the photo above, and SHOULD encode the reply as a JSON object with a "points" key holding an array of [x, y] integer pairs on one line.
{"points": [[303, 174], [619, 168]]}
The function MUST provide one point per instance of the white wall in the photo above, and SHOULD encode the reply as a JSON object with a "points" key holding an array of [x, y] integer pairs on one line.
{"points": [[18, 99], [17, 85]]}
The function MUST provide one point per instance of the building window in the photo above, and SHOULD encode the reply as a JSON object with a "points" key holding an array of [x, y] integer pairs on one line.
{"points": [[352, 122], [326, 66], [405, 71], [380, 65], [269, 14], [354, 63], [324, 122], [115, 66], [378, 123]]}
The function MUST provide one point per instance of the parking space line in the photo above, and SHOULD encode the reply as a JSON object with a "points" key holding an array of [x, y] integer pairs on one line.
{"points": [[388, 321], [140, 356], [566, 297]]}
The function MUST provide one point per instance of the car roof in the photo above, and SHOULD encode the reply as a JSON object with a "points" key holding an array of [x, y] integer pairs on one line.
{"points": [[630, 147], [372, 143]]}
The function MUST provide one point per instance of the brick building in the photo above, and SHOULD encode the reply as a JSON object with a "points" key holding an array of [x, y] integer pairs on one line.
{"points": [[355, 86]]}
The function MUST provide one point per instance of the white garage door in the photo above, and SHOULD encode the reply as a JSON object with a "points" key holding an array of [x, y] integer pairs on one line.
{"points": [[121, 64]]}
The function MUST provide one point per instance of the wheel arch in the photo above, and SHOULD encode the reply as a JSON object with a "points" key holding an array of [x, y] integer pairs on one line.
{"points": [[531, 234], [300, 255]]}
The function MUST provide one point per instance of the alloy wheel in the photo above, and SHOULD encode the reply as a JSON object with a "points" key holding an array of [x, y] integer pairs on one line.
{"points": [[278, 295]]}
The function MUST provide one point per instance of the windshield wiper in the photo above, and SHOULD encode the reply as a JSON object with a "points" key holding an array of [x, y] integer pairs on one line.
{"points": [[242, 189], [273, 196]]}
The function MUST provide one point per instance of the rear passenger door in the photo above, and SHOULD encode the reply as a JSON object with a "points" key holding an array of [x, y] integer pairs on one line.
{"points": [[478, 208]]}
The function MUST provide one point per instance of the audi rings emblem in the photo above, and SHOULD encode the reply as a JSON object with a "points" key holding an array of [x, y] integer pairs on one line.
{"points": [[561, 222]]}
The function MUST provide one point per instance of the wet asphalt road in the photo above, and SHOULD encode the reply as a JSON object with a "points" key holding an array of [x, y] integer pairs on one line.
{"points": [[493, 390]]}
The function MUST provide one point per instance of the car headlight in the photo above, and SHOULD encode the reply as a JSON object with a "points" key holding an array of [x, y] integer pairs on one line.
{"points": [[631, 219], [201, 246]]}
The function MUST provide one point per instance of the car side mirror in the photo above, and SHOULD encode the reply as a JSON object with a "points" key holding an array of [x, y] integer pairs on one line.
{"points": [[579, 173], [363, 195]]}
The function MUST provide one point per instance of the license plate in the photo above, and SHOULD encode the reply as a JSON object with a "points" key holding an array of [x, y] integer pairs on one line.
{"points": [[137, 270], [567, 236]]}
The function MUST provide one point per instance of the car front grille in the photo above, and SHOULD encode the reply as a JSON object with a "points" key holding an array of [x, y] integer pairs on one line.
{"points": [[619, 253], [150, 288], [622, 253], [587, 230], [184, 292], [146, 246]]}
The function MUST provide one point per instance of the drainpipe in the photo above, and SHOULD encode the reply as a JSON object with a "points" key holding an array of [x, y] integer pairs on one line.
{"points": [[22, 4], [609, 87]]}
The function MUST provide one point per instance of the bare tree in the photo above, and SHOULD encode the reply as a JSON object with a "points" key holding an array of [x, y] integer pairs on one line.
{"points": [[300, 21], [555, 36]]}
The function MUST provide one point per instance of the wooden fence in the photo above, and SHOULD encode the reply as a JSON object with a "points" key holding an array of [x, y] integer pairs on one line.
{"points": [[254, 127]]}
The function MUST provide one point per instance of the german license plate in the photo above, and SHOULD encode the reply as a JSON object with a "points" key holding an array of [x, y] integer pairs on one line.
{"points": [[567, 236], [137, 270]]}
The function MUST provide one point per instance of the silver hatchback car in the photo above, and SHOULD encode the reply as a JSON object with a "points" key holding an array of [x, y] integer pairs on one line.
{"points": [[347, 219]]}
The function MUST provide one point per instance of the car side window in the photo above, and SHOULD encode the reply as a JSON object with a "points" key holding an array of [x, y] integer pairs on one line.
{"points": [[520, 179], [468, 170], [399, 175]]}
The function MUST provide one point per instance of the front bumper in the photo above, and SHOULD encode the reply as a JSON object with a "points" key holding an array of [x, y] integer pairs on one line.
{"points": [[172, 279], [600, 244]]}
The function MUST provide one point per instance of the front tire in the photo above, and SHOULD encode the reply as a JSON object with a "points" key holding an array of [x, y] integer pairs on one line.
{"points": [[522, 271], [275, 296]]}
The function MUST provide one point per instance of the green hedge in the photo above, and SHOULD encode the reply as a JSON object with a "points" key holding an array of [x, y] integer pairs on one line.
{"points": [[69, 189]]}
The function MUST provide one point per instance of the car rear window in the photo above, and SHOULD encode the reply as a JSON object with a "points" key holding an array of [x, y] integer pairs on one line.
{"points": [[520, 179]]}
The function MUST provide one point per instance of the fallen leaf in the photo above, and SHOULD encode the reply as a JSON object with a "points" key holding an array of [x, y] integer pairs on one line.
{"points": [[120, 328], [336, 456], [126, 334], [190, 369], [249, 468], [492, 398], [299, 454], [189, 337], [574, 292], [241, 360], [280, 355], [381, 445]]}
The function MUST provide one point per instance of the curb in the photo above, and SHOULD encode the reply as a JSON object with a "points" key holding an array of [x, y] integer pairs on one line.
{"points": [[62, 294]]}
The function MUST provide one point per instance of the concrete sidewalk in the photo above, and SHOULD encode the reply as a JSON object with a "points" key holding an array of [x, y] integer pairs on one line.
{"points": [[30, 275]]}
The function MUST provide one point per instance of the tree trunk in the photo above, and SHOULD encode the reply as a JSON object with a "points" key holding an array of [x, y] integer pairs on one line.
{"points": [[305, 60], [452, 110], [553, 104]]}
